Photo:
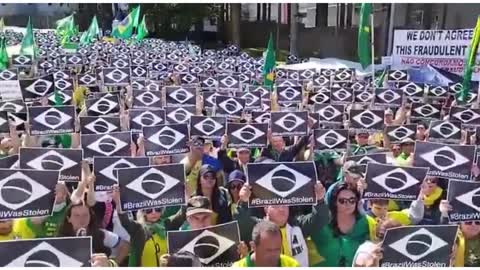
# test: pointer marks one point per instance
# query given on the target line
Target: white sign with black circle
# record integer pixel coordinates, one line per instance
(138, 84)
(289, 94)
(15, 106)
(253, 100)
(166, 139)
(34, 89)
(321, 80)
(99, 124)
(329, 113)
(393, 182)
(181, 96)
(344, 75)
(412, 90)
(106, 169)
(320, 97)
(464, 196)
(341, 95)
(64, 84)
(363, 96)
(27, 193)
(398, 133)
(103, 106)
(9, 162)
(247, 135)
(437, 92)
(207, 127)
(111, 144)
(446, 161)
(425, 110)
(4, 123)
(152, 186)
(445, 131)
(147, 99)
(65, 97)
(179, 115)
(388, 97)
(215, 246)
(51, 120)
(396, 75)
(67, 161)
(328, 139)
(289, 123)
(145, 118)
(188, 79)
(209, 98)
(9, 74)
(208, 82)
(116, 76)
(283, 183)
(419, 246)
(367, 119)
(231, 107)
(47, 252)
(364, 159)
(228, 81)
(22, 60)
(261, 117)
(139, 72)
(469, 117)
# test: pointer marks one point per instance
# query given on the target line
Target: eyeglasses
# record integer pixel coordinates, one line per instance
(238, 186)
(350, 201)
(158, 210)
(472, 223)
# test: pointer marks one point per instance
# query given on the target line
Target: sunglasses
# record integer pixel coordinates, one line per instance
(472, 223)
(158, 210)
(350, 201)
(209, 176)
(238, 186)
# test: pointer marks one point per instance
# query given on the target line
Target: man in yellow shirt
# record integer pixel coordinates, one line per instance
(267, 246)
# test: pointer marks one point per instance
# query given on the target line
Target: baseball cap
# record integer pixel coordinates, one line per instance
(236, 175)
(353, 168)
(407, 141)
(207, 168)
(242, 149)
(198, 204)
(362, 131)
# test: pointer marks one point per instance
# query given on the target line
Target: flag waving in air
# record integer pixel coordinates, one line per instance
(28, 41)
(3, 53)
(364, 28)
(124, 29)
(142, 30)
(92, 33)
(470, 63)
(269, 63)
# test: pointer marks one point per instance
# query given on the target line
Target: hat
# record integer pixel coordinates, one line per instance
(389, 111)
(240, 149)
(207, 168)
(197, 141)
(407, 141)
(198, 204)
(236, 175)
(361, 131)
(353, 168)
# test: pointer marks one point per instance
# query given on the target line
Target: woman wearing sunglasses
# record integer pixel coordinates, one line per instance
(338, 240)
(468, 241)
(236, 179)
(148, 234)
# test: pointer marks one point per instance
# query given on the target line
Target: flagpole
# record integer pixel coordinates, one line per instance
(372, 47)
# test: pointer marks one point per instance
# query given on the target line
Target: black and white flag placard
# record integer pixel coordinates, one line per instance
(231, 107)
(34, 89)
(166, 139)
(112, 144)
(103, 106)
(179, 115)
(365, 159)
(147, 99)
(328, 139)
(367, 119)
(105, 169)
(99, 124)
(47, 252)
(419, 246)
(393, 182)
(207, 127)
(116, 76)
(215, 246)
(261, 117)
(151, 187)
(9, 162)
(467, 116)
(284, 183)
(464, 196)
(27, 193)
(445, 131)
(247, 135)
(51, 120)
(145, 118)
(329, 113)
(4, 124)
(181, 96)
(289, 94)
(341, 95)
(446, 161)
(67, 161)
(425, 111)
(398, 133)
(388, 97)
(289, 123)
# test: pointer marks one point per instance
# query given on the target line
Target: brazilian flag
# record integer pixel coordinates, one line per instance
(124, 29)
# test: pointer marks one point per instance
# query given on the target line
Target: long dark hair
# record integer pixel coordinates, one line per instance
(332, 205)
(215, 194)
(98, 236)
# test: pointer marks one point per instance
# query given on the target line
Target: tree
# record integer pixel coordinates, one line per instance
(321, 15)
(236, 20)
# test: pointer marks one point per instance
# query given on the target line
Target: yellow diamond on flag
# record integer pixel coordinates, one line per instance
(270, 76)
(366, 29)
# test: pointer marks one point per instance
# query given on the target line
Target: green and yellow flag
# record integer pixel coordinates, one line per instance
(65, 26)
(142, 30)
(470, 63)
(2, 25)
(92, 33)
(3, 53)
(364, 28)
(269, 64)
(124, 29)
(28, 46)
